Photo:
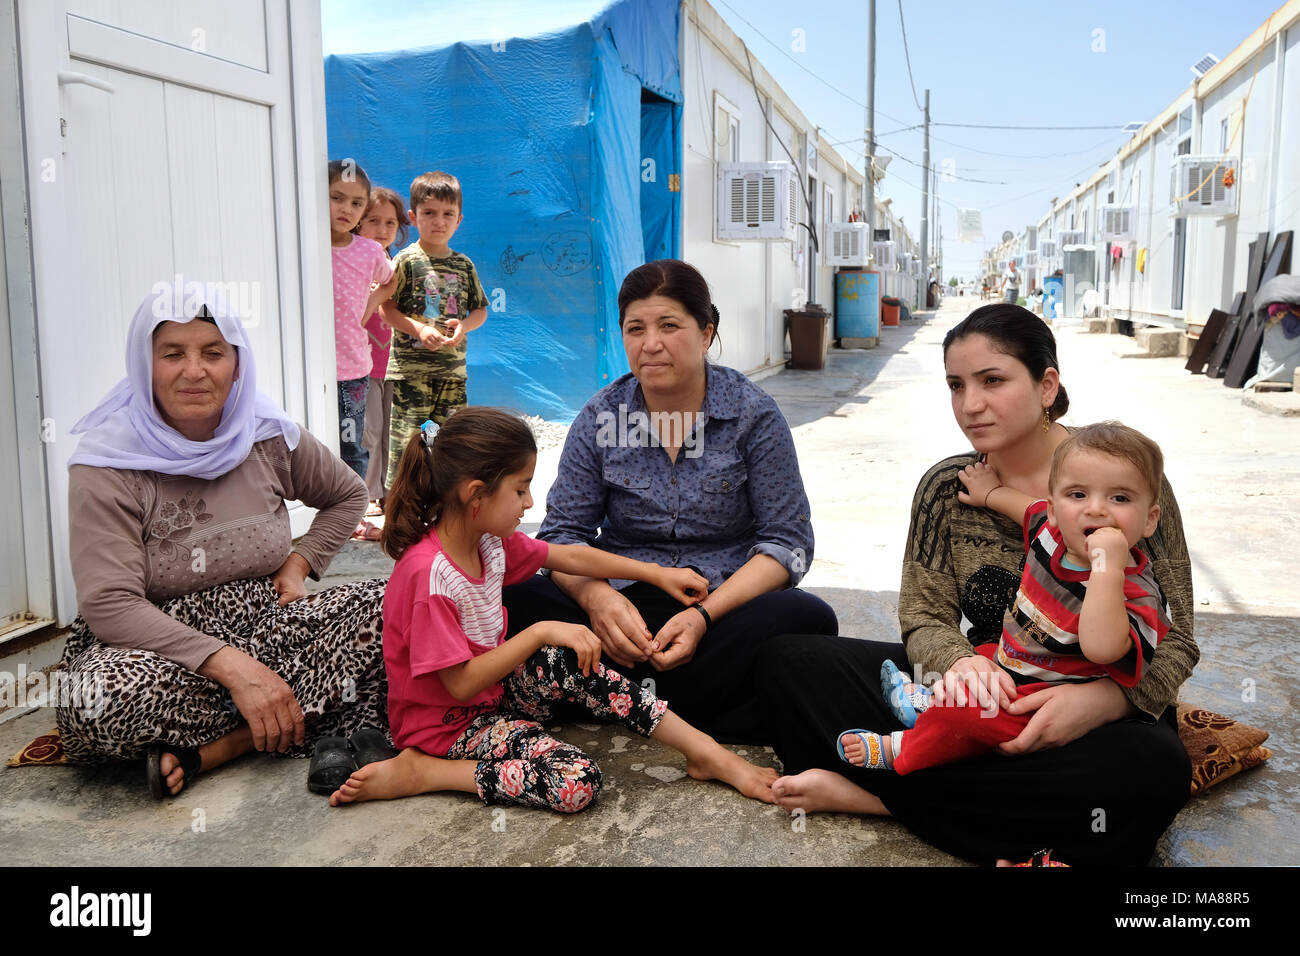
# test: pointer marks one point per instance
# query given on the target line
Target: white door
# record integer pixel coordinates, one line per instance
(177, 156)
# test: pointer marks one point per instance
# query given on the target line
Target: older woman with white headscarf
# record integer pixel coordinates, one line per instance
(195, 631)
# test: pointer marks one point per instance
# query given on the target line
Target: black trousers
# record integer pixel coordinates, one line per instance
(715, 689)
(1102, 799)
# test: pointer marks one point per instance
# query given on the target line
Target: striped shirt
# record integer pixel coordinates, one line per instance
(437, 615)
(1040, 632)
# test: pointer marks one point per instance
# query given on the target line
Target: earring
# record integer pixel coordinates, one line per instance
(1047, 421)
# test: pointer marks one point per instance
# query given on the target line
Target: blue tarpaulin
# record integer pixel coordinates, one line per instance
(549, 137)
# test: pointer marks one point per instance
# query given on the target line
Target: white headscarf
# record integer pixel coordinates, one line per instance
(126, 431)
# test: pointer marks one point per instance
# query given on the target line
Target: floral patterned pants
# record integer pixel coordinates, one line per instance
(518, 762)
(327, 647)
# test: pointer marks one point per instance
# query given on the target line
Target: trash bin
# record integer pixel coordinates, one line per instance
(809, 336)
(889, 310)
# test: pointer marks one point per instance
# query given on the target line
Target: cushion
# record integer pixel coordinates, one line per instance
(1219, 746)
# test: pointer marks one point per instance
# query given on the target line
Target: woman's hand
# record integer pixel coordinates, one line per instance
(262, 697)
(580, 639)
(991, 686)
(685, 584)
(618, 624)
(1065, 713)
(980, 480)
(288, 580)
(678, 640)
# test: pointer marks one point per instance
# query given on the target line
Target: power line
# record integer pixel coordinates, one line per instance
(907, 55)
(1035, 128)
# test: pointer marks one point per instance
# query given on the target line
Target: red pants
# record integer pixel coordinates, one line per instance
(947, 733)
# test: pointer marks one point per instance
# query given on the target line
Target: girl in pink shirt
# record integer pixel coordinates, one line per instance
(456, 689)
(384, 221)
(363, 277)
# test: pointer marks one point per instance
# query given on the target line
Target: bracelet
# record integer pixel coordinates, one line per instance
(708, 621)
(991, 490)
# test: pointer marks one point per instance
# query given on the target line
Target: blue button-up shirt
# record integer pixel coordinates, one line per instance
(733, 492)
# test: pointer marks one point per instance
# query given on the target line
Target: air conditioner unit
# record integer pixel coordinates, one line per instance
(846, 245)
(1002, 265)
(1047, 248)
(1031, 258)
(757, 201)
(886, 259)
(1072, 237)
(1117, 223)
(1204, 185)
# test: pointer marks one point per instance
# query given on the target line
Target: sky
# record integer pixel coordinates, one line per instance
(1041, 64)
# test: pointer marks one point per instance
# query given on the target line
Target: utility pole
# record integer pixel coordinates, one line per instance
(925, 204)
(870, 185)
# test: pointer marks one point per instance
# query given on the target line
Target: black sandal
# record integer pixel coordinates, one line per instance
(189, 760)
(331, 765)
(369, 745)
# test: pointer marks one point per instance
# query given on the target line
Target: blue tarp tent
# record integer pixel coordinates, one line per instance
(564, 145)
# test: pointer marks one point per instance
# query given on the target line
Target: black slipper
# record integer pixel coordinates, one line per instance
(331, 765)
(369, 745)
(189, 760)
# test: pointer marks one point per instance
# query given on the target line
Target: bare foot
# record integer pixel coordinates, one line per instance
(750, 779)
(820, 790)
(412, 771)
(854, 751)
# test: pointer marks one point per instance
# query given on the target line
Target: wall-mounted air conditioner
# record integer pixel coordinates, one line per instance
(1204, 185)
(1071, 237)
(1117, 223)
(1031, 258)
(846, 245)
(757, 201)
(1047, 248)
(1002, 265)
(886, 258)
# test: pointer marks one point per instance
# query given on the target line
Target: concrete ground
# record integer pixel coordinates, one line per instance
(866, 428)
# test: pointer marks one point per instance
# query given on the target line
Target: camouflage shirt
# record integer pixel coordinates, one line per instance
(432, 289)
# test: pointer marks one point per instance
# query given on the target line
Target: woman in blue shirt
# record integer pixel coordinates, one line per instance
(686, 464)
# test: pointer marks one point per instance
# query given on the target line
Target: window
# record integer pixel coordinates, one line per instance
(1185, 121)
(828, 217)
(726, 130)
(1223, 135)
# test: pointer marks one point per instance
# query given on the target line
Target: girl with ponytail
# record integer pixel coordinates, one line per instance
(456, 688)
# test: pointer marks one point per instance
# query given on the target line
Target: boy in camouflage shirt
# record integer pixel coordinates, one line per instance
(438, 301)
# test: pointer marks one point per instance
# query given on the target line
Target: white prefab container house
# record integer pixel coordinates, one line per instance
(148, 143)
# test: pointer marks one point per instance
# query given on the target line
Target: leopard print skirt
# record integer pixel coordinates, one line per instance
(327, 647)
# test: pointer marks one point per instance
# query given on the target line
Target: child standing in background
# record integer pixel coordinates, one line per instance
(438, 300)
(359, 264)
(384, 221)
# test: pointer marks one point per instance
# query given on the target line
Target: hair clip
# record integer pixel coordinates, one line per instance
(427, 432)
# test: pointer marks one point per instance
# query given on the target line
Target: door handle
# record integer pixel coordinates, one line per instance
(72, 79)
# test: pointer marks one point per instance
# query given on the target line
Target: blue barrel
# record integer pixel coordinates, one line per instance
(1053, 297)
(857, 304)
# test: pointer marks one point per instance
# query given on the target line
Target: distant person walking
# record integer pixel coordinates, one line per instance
(1011, 283)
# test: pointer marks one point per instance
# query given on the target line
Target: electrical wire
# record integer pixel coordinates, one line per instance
(908, 57)
(1034, 128)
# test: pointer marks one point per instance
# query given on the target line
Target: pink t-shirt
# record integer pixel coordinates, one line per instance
(381, 339)
(436, 616)
(356, 265)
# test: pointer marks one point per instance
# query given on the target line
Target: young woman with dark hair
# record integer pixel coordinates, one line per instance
(1099, 772)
